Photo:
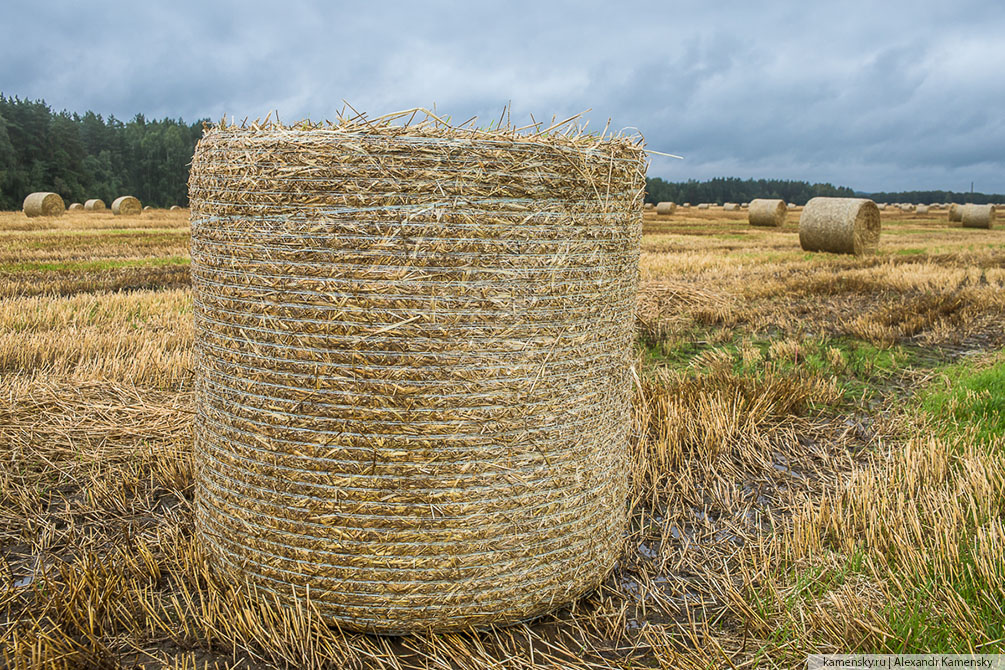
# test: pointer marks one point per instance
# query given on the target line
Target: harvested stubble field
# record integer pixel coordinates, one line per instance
(818, 460)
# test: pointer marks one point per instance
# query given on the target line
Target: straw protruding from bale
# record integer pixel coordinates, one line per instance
(414, 394)
(977, 216)
(94, 205)
(75, 207)
(126, 205)
(767, 212)
(43, 203)
(840, 225)
(955, 213)
(666, 208)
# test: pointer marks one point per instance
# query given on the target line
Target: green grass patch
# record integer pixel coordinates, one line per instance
(92, 266)
(965, 397)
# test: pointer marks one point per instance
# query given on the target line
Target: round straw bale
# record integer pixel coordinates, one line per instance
(649, 205)
(414, 395)
(921, 209)
(766, 212)
(175, 208)
(75, 207)
(955, 213)
(43, 203)
(686, 205)
(840, 225)
(791, 205)
(730, 207)
(666, 208)
(703, 205)
(126, 205)
(881, 206)
(978, 216)
(94, 205)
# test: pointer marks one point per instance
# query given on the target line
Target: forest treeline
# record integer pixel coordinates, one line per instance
(88, 156)
(733, 189)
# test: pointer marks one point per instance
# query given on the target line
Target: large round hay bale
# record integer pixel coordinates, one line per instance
(921, 209)
(126, 205)
(94, 205)
(766, 212)
(75, 207)
(703, 205)
(414, 395)
(666, 208)
(840, 226)
(955, 212)
(44, 203)
(978, 216)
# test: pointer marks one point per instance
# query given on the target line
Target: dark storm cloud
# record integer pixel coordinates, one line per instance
(873, 95)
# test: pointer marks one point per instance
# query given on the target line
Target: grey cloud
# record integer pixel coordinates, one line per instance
(873, 95)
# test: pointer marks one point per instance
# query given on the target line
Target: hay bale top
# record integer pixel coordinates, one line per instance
(978, 216)
(75, 207)
(44, 203)
(126, 205)
(94, 205)
(767, 212)
(175, 208)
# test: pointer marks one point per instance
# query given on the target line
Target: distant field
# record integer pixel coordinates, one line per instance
(818, 461)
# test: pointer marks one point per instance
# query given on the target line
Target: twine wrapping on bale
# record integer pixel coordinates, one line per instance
(75, 207)
(840, 226)
(126, 205)
(955, 213)
(977, 216)
(766, 212)
(666, 208)
(94, 205)
(43, 203)
(414, 378)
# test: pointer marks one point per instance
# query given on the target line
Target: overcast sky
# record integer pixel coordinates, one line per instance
(879, 95)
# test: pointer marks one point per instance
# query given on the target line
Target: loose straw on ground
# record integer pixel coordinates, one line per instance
(414, 378)
(840, 226)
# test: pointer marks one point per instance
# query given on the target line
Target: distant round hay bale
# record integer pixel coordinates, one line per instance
(94, 205)
(730, 207)
(43, 203)
(703, 205)
(881, 206)
(907, 208)
(75, 207)
(175, 208)
(744, 205)
(666, 208)
(126, 205)
(147, 208)
(955, 213)
(767, 212)
(791, 205)
(921, 209)
(444, 444)
(686, 205)
(978, 216)
(840, 226)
